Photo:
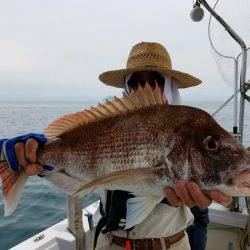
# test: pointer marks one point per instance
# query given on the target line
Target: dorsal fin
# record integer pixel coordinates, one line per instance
(143, 97)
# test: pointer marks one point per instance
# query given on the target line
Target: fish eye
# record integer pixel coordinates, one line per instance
(211, 144)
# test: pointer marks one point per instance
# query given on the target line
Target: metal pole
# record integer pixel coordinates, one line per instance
(236, 97)
(243, 91)
(75, 224)
(235, 130)
(225, 103)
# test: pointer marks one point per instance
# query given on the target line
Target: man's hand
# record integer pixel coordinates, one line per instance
(189, 194)
(26, 156)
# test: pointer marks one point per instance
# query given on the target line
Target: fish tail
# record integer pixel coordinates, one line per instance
(12, 186)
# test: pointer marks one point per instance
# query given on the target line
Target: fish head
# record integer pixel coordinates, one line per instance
(204, 152)
(220, 159)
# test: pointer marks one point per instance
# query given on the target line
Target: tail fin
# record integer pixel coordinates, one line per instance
(12, 185)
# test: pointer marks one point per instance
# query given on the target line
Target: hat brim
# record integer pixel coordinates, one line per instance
(116, 77)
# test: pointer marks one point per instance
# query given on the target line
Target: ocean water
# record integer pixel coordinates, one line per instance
(42, 204)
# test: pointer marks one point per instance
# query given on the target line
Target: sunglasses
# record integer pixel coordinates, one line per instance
(151, 79)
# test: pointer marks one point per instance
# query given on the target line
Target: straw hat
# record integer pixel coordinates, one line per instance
(152, 57)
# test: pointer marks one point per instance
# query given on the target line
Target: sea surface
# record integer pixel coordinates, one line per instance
(42, 204)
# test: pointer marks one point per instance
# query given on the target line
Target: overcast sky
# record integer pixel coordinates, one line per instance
(55, 50)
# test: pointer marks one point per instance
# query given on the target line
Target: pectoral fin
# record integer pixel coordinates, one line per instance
(121, 178)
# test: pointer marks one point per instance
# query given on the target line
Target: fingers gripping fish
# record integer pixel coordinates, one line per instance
(138, 143)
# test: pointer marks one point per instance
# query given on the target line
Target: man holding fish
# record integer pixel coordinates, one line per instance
(124, 145)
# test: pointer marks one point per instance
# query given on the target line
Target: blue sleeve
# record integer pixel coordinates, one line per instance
(7, 150)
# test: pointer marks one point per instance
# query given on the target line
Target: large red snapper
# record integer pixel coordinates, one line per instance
(137, 143)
